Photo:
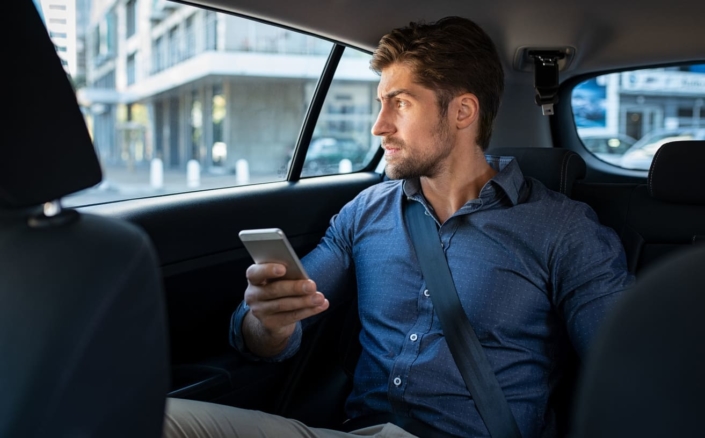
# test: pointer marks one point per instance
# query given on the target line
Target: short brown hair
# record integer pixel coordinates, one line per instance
(451, 56)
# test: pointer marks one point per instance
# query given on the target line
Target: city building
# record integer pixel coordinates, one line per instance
(169, 81)
(635, 103)
(60, 19)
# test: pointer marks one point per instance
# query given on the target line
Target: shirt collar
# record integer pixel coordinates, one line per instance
(508, 178)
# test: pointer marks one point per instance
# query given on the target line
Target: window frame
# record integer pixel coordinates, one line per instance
(163, 52)
(319, 96)
(316, 105)
(565, 133)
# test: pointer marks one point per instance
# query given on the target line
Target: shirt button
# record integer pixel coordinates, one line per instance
(397, 381)
(426, 293)
(414, 337)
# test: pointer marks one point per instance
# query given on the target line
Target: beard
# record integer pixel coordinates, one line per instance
(429, 163)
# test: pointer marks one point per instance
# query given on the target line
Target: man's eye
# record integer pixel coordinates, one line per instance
(401, 104)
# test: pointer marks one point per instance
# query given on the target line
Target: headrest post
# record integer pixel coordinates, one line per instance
(52, 208)
(53, 215)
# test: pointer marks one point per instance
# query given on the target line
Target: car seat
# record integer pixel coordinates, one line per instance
(644, 376)
(83, 336)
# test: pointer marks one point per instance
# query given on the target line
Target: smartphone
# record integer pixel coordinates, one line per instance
(270, 245)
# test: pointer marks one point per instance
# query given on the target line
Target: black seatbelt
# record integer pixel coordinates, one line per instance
(459, 334)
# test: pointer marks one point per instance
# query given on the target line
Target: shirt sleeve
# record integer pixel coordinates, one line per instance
(238, 341)
(329, 265)
(590, 273)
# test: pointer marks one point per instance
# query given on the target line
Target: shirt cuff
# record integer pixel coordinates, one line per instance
(238, 341)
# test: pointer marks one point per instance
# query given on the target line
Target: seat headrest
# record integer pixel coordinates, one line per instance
(556, 168)
(47, 152)
(643, 376)
(677, 173)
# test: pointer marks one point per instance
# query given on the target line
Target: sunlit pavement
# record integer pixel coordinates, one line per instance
(120, 182)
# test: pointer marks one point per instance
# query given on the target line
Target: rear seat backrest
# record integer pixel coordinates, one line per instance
(669, 213)
(556, 168)
(652, 219)
(662, 216)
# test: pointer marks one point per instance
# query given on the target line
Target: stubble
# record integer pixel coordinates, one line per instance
(428, 164)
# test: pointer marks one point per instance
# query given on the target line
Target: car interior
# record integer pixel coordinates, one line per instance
(171, 269)
(83, 330)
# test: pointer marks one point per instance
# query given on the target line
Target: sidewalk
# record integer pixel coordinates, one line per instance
(120, 182)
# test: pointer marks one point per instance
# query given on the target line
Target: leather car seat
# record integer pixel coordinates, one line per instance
(83, 336)
(667, 214)
(644, 377)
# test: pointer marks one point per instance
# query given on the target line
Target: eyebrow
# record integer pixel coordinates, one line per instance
(395, 93)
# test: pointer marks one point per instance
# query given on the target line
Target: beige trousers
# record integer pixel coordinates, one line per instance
(194, 419)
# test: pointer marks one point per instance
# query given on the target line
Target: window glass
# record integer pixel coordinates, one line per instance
(624, 118)
(131, 17)
(342, 141)
(131, 69)
(192, 100)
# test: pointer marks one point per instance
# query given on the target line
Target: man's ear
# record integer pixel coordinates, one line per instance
(467, 110)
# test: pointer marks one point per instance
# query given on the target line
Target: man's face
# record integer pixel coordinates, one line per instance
(416, 139)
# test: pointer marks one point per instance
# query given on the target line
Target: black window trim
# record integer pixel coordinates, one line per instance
(565, 133)
(314, 111)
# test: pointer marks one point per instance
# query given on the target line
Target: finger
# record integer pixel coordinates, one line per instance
(260, 273)
(281, 289)
(288, 304)
(277, 320)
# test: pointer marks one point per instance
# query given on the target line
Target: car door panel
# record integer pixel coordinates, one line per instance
(203, 264)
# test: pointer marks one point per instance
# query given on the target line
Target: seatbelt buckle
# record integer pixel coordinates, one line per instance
(546, 64)
(547, 109)
(546, 78)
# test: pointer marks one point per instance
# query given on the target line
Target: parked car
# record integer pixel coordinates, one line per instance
(325, 155)
(641, 154)
(609, 148)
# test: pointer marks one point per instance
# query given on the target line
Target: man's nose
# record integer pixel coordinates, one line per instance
(382, 126)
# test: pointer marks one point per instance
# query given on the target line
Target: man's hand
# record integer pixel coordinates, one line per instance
(276, 306)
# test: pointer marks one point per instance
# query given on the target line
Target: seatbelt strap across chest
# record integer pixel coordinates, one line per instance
(462, 341)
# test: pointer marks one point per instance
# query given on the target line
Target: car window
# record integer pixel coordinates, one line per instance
(178, 98)
(623, 118)
(342, 141)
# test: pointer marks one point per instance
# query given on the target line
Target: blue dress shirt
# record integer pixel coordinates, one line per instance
(534, 270)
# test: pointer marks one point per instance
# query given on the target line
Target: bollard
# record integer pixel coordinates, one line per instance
(193, 174)
(345, 166)
(156, 173)
(242, 171)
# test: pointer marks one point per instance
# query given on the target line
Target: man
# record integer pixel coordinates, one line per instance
(531, 267)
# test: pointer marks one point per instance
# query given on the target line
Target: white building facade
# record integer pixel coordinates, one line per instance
(60, 19)
(178, 83)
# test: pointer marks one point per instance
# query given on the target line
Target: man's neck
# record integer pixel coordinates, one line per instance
(459, 183)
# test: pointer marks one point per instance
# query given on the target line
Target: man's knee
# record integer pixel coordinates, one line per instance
(195, 419)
